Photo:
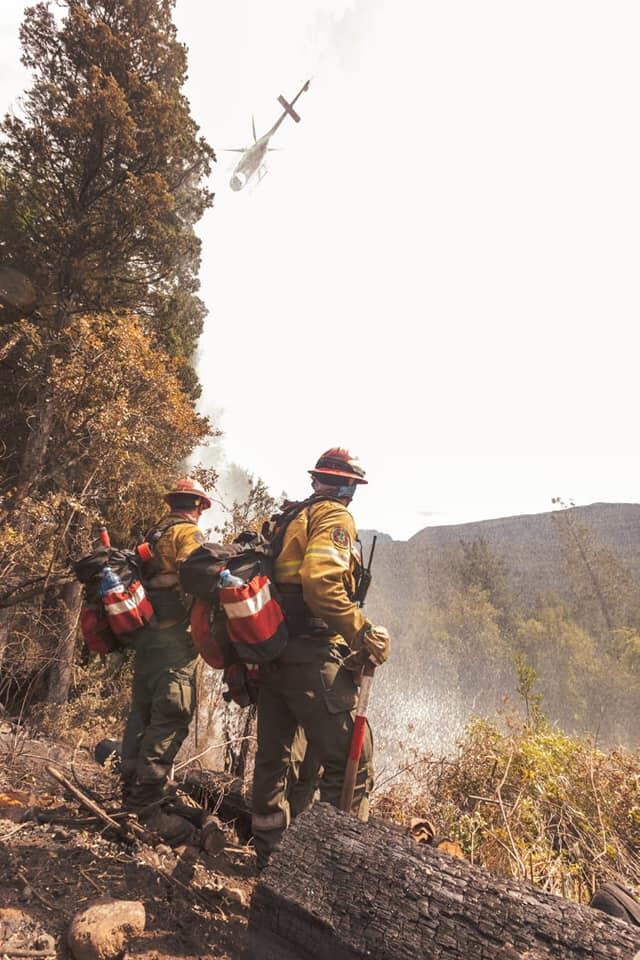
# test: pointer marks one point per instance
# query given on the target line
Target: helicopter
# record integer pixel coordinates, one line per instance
(252, 159)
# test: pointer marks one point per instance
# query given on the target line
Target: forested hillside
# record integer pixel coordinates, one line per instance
(476, 609)
(531, 545)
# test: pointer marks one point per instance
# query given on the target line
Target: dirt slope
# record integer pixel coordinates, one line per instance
(196, 904)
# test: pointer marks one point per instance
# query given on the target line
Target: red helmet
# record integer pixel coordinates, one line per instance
(187, 485)
(338, 462)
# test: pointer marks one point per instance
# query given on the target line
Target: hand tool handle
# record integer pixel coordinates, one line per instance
(357, 739)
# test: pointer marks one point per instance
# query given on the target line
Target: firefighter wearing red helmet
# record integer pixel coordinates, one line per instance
(163, 696)
(312, 685)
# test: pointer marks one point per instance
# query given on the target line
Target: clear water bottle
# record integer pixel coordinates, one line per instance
(227, 579)
(109, 581)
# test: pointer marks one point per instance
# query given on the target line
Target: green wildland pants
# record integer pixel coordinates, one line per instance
(303, 778)
(319, 696)
(162, 705)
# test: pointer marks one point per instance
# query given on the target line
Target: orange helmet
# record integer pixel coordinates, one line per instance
(338, 462)
(189, 486)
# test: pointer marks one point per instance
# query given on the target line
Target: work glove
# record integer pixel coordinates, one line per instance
(377, 643)
(371, 643)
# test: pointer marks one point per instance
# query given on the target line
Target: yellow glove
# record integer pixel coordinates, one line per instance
(371, 643)
(377, 643)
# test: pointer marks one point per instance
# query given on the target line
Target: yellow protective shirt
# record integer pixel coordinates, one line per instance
(172, 548)
(320, 553)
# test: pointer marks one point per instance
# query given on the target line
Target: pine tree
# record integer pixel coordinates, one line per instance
(102, 170)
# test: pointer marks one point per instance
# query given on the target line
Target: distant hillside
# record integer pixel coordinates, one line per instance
(447, 660)
(529, 545)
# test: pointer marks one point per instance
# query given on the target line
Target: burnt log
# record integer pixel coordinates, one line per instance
(222, 794)
(339, 889)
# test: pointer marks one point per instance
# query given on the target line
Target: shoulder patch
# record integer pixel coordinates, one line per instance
(340, 537)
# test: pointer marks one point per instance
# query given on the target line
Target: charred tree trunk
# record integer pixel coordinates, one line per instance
(61, 672)
(342, 890)
(74, 539)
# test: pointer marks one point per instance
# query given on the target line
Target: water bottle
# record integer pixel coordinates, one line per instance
(109, 581)
(227, 579)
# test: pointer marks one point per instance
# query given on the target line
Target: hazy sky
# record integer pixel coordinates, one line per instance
(441, 269)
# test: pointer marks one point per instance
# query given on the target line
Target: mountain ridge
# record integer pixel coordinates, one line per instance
(528, 543)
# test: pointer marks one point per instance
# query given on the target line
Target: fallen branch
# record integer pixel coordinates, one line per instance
(6, 836)
(51, 816)
(47, 903)
(10, 952)
(128, 833)
(81, 786)
(92, 882)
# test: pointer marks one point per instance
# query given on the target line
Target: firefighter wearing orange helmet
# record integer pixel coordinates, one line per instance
(312, 685)
(163, 696)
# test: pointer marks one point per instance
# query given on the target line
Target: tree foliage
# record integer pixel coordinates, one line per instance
(120, 425)
(605, 597)
(102, 168)
(249, 513)
(102, 180)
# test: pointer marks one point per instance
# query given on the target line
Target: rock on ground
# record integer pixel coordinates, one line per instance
(21, 932)
(103, 929)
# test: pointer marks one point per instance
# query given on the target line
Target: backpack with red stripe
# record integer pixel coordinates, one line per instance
(254, 628)
(241, 623)
(116, 606)
(125, 601)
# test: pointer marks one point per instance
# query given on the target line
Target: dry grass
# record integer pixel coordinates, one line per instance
(527, 800)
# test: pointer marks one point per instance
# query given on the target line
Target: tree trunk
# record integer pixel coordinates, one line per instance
(35, 450)
(236, 760)
(4, 636)
(339, 889)
(61, 672)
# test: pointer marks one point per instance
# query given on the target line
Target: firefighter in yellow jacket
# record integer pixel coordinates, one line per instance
(163, 696)
(313, 684)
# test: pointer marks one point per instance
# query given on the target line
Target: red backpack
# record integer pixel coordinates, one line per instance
(116, 606)
(253, 628)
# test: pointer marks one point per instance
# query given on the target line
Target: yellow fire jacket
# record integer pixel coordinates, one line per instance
(172, 548)
(320, 553)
